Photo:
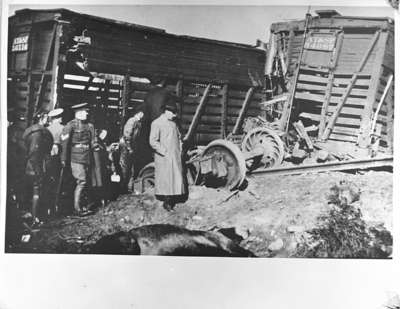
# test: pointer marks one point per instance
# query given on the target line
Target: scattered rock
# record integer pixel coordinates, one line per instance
(299, 155)
(276, 245)
(295, 228)
(322, 156)
(197, 218)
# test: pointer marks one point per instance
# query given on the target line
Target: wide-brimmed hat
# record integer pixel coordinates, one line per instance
(80, 106)
(170, 104)
(55, 113)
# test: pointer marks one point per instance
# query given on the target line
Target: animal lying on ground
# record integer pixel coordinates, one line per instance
(165, 239)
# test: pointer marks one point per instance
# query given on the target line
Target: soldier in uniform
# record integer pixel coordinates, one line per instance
(77, 142)
(38, 142)
(54, 166)
(128, 145)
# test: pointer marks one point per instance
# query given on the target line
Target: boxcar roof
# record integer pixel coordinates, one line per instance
(30, 16)
(335, 21)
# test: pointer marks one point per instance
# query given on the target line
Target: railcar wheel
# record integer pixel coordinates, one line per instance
(231, 157)
(269, 142)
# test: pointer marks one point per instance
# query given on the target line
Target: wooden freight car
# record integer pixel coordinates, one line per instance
(58, 58)
(336, 73)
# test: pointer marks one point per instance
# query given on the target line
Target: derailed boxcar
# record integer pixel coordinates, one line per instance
(58, 58)
(335, 73)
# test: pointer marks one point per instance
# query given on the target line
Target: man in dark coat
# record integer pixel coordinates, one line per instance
(77, 143)
(130, 151)
(38, 142)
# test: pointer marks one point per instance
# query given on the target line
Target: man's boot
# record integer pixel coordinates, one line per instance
(35, 207)
(77, 198)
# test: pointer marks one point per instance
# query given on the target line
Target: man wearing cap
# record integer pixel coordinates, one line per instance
(56, 129)
(77, 142)
(54, 165)
(38, 142)
(129, 146)
(165, 139)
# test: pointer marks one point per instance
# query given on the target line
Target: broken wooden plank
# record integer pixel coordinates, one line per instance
(341, 120)
(303, 134)
(345, 81)
(319, 98)
(313, 78)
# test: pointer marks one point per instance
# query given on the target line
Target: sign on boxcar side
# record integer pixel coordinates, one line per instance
(317, 42)
(20, 43)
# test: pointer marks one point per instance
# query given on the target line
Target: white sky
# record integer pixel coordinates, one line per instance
(241, 24)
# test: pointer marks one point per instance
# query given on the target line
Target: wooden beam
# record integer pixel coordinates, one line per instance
(345, 95)
(243, 110)
(29, 82)
(54, 67)
(366, 117)
(198, 114)
(179, 94)
(224, 109)
(389, 121)
(382, 99)
(46, 64)
(125, 100)
(329, 85)
(287, 108)
(289, 48)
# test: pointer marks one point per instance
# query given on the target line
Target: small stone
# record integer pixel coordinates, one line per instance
(322, 156)
(295, 228)
(197, 218)
(299, 154)
(276, 245)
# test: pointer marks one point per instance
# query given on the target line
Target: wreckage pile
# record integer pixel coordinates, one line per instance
(273, 217)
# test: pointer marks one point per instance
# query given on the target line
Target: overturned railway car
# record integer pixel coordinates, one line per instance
(334, 73)
(58, 58)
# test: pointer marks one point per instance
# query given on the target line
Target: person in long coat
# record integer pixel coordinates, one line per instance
(165, 139)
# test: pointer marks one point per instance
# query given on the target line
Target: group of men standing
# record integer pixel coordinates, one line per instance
(51, 148)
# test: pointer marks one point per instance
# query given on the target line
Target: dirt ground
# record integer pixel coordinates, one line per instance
(270, 215)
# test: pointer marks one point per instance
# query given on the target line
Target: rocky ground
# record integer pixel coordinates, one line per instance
(272, 215)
